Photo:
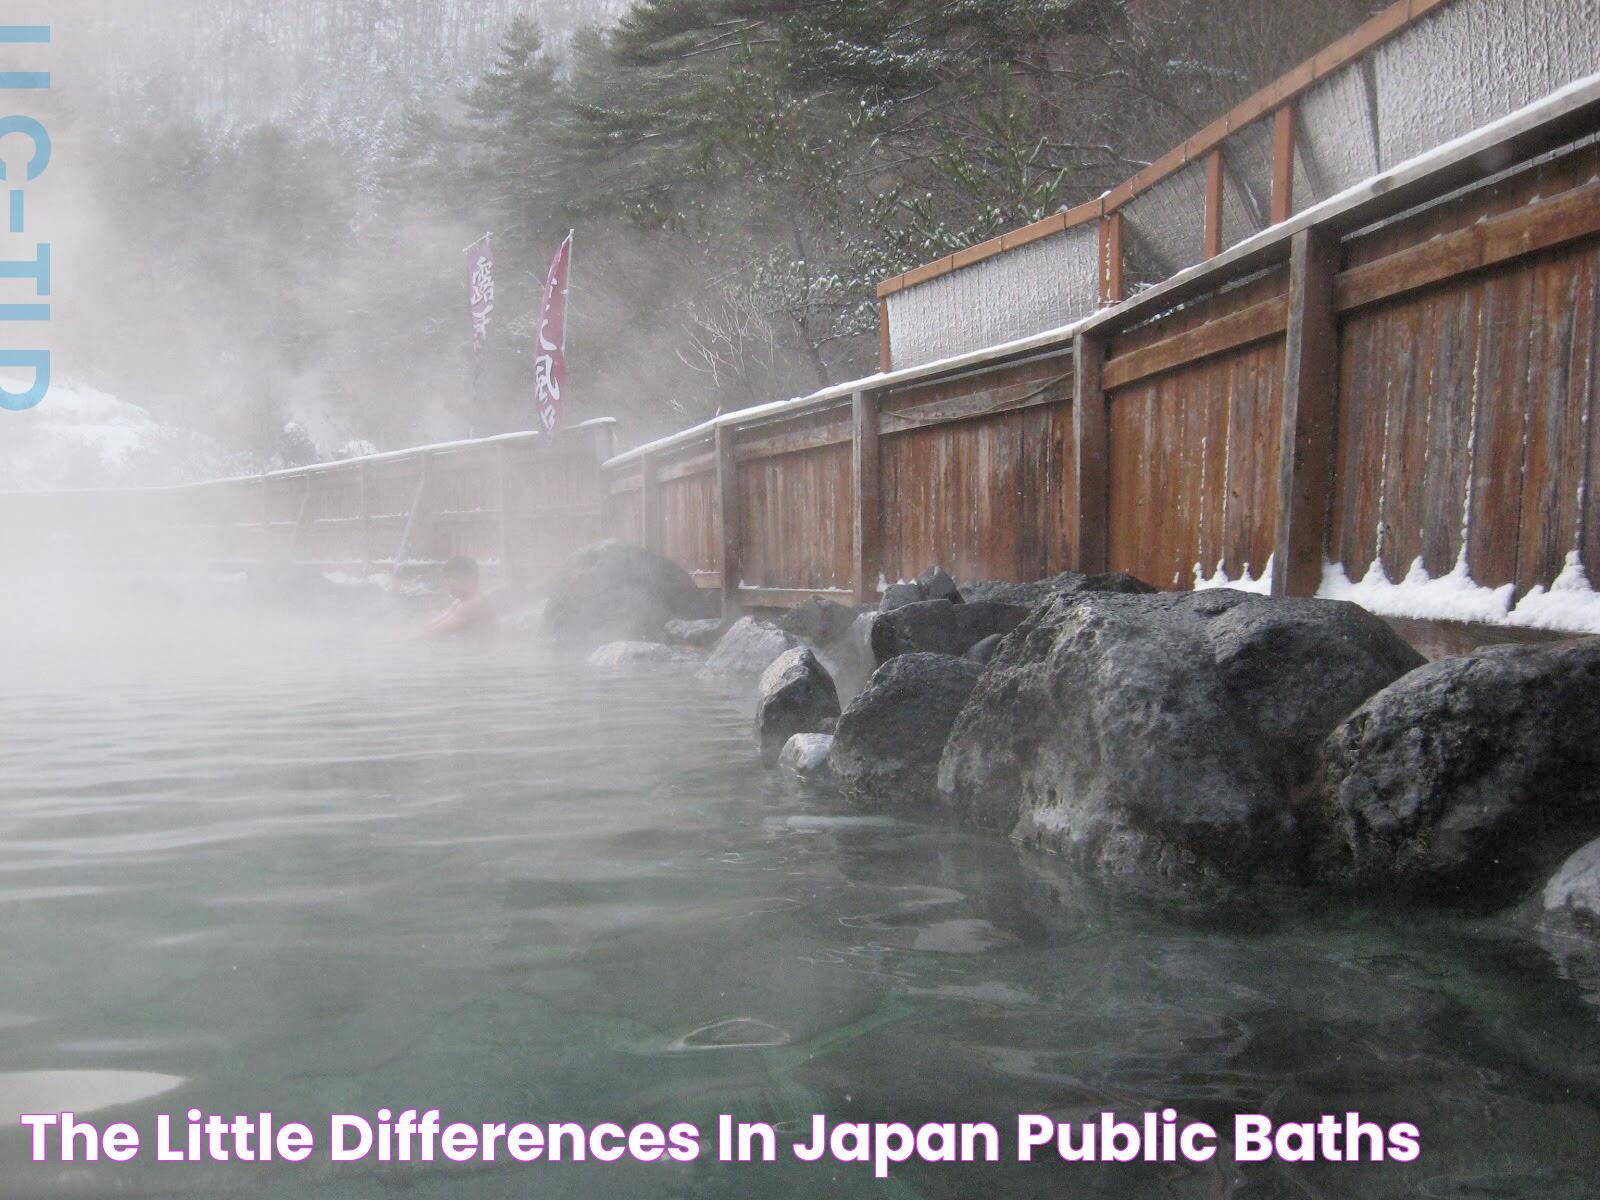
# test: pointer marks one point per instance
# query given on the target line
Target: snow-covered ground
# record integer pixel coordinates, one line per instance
(1570, 604)
(80, 437)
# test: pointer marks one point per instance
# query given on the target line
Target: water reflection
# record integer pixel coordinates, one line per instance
(333, 871)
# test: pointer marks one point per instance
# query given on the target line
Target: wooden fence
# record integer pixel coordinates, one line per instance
(1408, 376)
(520, 504)
(1406, 372)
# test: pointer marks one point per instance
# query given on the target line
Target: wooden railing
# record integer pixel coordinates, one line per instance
(520, 504)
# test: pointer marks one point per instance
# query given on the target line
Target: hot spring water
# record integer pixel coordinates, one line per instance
(307, 869)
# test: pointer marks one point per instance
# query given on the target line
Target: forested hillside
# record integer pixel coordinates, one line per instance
(275, 194)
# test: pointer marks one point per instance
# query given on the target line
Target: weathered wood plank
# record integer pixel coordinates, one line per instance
(866, 475)
(727, 477)
(1310, 374)
(1253, 324)
(1283, 128)
(1540, 226)
(1211, 244)
(1089, 447)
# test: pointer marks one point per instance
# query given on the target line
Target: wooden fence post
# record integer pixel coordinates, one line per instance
(1283, 163)
(864, 467)
(605, 445)
(885, 348)
(366, 520)
(302, 521)
(1111, 277)
(1089, 449)
(1310, 374)
(728, 507)
(503, 500)
(1214, 198)
(649, 502)
(418, 499)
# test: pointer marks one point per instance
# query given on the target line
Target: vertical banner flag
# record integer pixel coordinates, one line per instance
(550, 358)
(480, 289)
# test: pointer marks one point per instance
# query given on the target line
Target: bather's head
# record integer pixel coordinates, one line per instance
(460, 577)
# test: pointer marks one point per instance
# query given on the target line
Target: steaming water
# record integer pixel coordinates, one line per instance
(314, 870)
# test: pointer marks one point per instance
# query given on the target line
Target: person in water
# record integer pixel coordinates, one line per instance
(470, 610)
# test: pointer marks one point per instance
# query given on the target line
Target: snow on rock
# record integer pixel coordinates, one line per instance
(1245, 583)
(1452, 597)
(1569, 603)
(81, 437)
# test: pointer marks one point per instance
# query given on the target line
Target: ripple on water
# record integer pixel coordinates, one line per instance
(77, 1092)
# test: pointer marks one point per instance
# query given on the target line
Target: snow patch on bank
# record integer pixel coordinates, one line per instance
(1245, 583)
(1569, 603)
(1452, 597)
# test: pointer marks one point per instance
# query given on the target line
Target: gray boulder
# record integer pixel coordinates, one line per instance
(622, 657)
(818, 622)
(935, 584)
(794, 696)
(984, 650)
(897, 594)
(1164, 733)
(1065, 584)
(887, 745)
(940, 627)
(700, 634)
(1570, 902)
(1469, 780)
(745, 651)
(613, 591)
(806, 756)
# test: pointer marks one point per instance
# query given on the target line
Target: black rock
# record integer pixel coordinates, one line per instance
(935, 584)
(807, 756)
(1570, 902)
(699, 634)
(745, 651)
(1469, 780)
(898, 594)
(1065, 584)
(1162, 733)
(984, 650)
(887, 744)
(940, 627)
(818, 622)
(627, 657)
(794, 696)
(612, 591)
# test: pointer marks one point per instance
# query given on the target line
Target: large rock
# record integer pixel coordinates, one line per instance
(1162, 732)
(887, 746)
(1029, 595)
(625, 657)
(700, 634)
(1570, 901)
(794, 696)
(613, 591)
(818, 622)
(806, 755)
(935, 584)
(745, 651)
(941, 627)
(1469, 780)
